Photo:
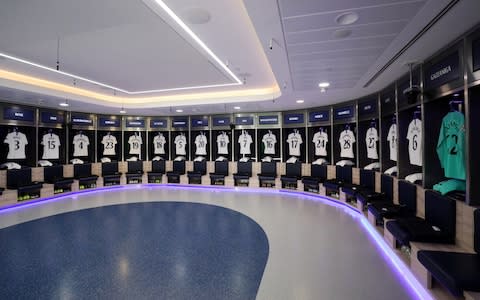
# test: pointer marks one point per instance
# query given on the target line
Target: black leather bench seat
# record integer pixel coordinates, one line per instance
(407, 194)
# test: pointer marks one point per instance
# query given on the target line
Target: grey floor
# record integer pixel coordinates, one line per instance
(317, 250)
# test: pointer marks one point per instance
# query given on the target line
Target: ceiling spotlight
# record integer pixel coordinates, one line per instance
(179, 110)
(300, 101)
(347, 18)
(236, 107)
(123, 111)
(64, 104)
(324, 84)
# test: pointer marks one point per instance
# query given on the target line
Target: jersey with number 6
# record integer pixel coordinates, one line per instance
(320, 140)
(371, 139)
(451, 145)
(51, 146)
(415, 146)
(80, 145)
(16, 145)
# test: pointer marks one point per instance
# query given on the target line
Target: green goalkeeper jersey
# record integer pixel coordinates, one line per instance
(451, 145)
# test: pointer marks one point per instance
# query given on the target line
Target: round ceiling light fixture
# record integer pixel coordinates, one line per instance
(197, 15)
(123, 111)
(324, 84)
(236, 107)
(64, 104)
(342, 33)
(300, 101)
(179, 110)
(347, 18)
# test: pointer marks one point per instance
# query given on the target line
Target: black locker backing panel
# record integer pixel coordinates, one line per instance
(473, 144)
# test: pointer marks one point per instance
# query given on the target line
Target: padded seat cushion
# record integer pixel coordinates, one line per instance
(288, 179)
(62, 181)
(350, 188)
(217, 176)
(456, 271)
(30, 187)
(332, 184)
(112, 176)
(389, 210)
(312, 180)
(366, 196)
(241, 176)
(416, 229)
(88, 178)
(265, 177)
(155, 174)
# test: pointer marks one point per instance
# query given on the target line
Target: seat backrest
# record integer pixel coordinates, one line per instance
(346, 174)
(319, 171)
(179, 167)
(200, 167)
(109, 168)
(82, 170)
(135, 166)
(441, 211)
(221, 167)
(294, 170)
(52, 173)
(386, 186)
(476, 230)
(269, 168)
(158, 166)
(407, 195)
(244, 168)
(19, 177)
(367, 179)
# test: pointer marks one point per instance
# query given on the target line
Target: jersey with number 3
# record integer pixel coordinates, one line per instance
(415, 146)
(16, 145)
(51, 146)
(451, 145)
(371, 139)
(109, 141)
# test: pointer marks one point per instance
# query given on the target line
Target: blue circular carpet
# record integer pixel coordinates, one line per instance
(154, 250)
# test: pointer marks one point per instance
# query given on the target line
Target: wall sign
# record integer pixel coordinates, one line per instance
(343, 112)
(319, 116)
(444, 71)
(51, 117)
(221, 121)
(244, 120)
(158, 123)
(476, 55)
(367, 108)
(108, 122)
(180, 122)
(136, 123)
(82, 119)
(199, 122)
(18, 113)
(268, 120)
(293, 118)
(388, 102)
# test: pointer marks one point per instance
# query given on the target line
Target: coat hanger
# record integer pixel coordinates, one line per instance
(347, 126)
(320, 129)
(373, 123)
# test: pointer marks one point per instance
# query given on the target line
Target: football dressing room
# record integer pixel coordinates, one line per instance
(240, 149)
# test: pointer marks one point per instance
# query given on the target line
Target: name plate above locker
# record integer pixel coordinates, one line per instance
(367, 108)
(52, 117)
(293, 118)
(108, 122)
(343, 112)
(268, 120)
(199, 122)
(18, 114)
(319, 116)
(82, 119)
(221, 121)
(476, 55)
(244, 120)
(180, 122)
(136, 123)
(158, 123)
(442, 72)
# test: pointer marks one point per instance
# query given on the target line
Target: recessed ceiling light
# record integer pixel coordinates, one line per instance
(123, 111)
(179, 110)
(64, 104)
(324, 84)
(300, 101)
(347, 18)
(236, 107)
(456, 95)
(342, 33)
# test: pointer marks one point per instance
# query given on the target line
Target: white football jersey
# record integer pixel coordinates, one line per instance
(201, 145)
(320, 140)
(414, 137)
(180, 144)
(371, 139)
(245, 140)
(294, 141)
(80, 145)
(222, 143)
(51, 146)
(159, 144)
(135, 142)
(16, 145)
(109, 141)
(392, 140)
(346, 140)
(269, 140)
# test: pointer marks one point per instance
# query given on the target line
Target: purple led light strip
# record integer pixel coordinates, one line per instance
(402, 271)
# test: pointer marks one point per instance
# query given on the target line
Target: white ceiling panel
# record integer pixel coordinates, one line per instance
(306, 7)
